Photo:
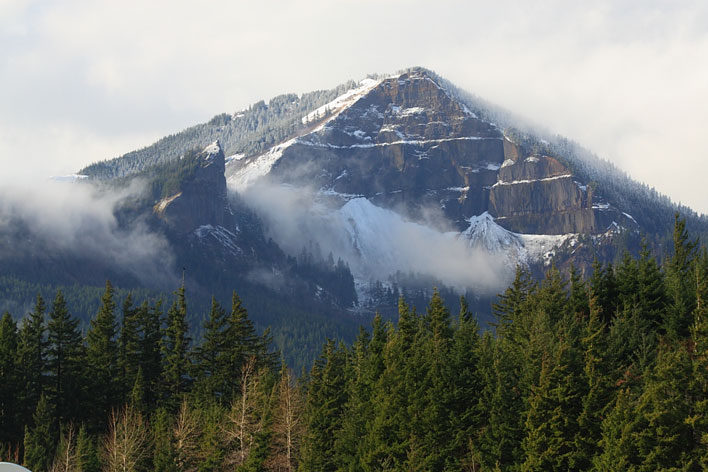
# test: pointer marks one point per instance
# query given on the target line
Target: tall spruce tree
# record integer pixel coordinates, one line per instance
(65, 362)
(31, 356)
(10, 420)
(175, 349)
(102, 360)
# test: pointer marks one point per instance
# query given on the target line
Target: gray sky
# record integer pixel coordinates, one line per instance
(86, 80)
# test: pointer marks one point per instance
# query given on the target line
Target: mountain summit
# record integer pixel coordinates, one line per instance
(340, 201)
(405, 142)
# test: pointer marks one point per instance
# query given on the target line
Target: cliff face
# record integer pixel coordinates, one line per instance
(202, 197)
(406, 144)
(538, 194)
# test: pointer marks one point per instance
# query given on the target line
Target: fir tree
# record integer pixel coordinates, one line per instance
(102, 359)
(31, 357)
(65, 363)
(10, 427)
(175, 350)
(39, 442)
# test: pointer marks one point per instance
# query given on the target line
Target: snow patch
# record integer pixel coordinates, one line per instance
(531, 159)
(221, 235)
(512, 248)
(258, 166)
(545, 179)
(69, 178)
(343, 101)
(508, 162)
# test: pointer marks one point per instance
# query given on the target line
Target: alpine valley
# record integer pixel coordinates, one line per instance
(323, 208)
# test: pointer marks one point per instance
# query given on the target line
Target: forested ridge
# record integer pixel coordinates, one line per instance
(609, 373)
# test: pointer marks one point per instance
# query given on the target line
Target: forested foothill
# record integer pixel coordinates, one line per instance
(606, 374)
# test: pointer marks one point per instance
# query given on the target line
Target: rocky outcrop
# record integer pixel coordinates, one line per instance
(406, 144)
(202, 198)
(538, 194)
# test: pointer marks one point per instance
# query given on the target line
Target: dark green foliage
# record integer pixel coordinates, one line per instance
(39, 438)
(65, 363)
(610, 376)
(175, 349)
(102, 359)
(10, 426)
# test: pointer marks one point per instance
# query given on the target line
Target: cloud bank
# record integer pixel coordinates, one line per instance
(375, 242)
(75, 218)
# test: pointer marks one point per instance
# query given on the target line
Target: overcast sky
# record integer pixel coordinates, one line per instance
(86, 80)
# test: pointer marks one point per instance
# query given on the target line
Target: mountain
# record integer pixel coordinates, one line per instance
(320, 209)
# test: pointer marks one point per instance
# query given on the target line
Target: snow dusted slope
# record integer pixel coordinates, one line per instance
(513, 248)
(246, 171)
(378, 242)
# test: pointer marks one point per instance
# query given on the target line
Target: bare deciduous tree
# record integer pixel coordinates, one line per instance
(287, 425)
(66, 459)
(125, 445)
(245, 419)
(186, 437)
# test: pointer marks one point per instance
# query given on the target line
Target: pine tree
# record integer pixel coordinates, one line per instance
(102, 360)
(149, 347)
(678, 280)
(129, 346)
(163, 453)
(10, 426)
(65, 363)
(39, 438)
(387, 440)
(603, 287)
(551, 423)
(175, 350)
(31, 357)
(665, 440)
(618, 448)
(327, 397)
(87, 452)
(211, 376)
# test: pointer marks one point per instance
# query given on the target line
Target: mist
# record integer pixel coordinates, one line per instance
(375, 242)
(77, 219)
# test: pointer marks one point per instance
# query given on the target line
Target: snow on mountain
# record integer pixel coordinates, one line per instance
(348, 98)
(514, 248)
(257, 166)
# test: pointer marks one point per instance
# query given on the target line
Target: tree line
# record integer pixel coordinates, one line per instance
(604, 374)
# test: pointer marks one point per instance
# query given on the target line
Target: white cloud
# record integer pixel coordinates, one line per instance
(625, 78)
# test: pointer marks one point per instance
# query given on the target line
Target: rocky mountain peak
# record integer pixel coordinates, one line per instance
(202, 196)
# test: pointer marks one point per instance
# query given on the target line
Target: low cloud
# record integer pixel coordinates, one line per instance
(76, 218)
(374, 241)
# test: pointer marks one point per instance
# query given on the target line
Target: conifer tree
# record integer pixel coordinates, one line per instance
(39, 438)
(679, 282)
(129, 346)
(211, 374)
(149, 347)
(65, 363)
(87, 452)
(603, 287)
(618, 451)
(102, 360)
(31, 357)
(551, 423)
(10, 428)
(175, 350)
(327, 397)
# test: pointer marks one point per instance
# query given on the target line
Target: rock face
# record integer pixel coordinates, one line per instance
(539, 194)
(202, 198)
(406, 144)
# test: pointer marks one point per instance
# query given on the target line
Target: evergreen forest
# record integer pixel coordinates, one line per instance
(608, 373)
